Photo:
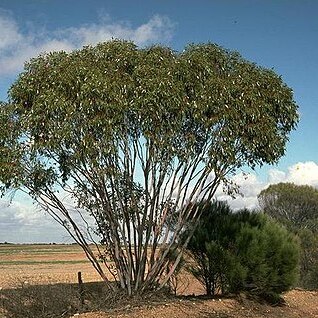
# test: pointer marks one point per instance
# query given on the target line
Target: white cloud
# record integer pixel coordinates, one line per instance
(276, 176)
(158, 28)
(17, 46)
(302, 173)
(22, 222)
(9, 35)
(249, 186)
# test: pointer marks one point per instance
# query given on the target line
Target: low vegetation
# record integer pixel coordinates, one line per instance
(242, 251)
(296, 207)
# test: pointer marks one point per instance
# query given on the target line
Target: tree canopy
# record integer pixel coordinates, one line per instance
(294, 205)
(135, 135)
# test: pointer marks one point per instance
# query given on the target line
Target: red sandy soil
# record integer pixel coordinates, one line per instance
(298, 304)
(41, 269)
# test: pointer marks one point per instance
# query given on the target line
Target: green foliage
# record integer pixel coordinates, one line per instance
(308, 258)
(132, 135)
(241, 251)
(270, 254)
(296, 206)
(83, 104)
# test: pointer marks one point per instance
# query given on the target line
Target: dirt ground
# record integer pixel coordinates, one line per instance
(43, 264)
(50, 264)
(298, 304)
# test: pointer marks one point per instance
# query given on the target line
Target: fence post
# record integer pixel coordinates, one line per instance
(80, 291)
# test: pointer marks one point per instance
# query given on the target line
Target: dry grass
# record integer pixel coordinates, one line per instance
(63, 300)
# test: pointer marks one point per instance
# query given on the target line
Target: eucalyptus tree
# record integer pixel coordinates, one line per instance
(296, 206)
(136, 136)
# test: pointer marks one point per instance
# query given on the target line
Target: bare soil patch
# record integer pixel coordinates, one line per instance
(47, 270)
(43, 264)
(298, 304)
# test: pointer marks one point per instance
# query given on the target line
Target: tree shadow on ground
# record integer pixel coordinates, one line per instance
(64, 300)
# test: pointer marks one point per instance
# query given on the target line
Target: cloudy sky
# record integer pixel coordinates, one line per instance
(277, 34)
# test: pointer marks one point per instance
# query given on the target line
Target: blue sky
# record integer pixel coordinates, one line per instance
(278, 34)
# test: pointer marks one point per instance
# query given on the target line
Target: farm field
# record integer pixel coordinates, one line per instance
(43, 264)
(44, 267)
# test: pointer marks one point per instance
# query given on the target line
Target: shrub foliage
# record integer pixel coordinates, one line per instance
(243, 251)
(296, 206)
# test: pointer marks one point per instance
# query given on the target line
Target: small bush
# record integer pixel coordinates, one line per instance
(243, 251)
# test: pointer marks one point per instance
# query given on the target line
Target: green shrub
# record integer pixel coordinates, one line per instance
(308, 258)
(296, 207)
(243, 251)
